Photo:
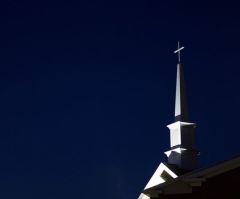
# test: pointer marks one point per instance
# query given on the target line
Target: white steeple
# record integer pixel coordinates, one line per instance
(182, 152)
(182, 156)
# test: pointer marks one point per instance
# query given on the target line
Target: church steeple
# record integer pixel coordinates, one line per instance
(182, 152)
(182, 155)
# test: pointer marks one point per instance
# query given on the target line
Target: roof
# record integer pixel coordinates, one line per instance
(194, 178)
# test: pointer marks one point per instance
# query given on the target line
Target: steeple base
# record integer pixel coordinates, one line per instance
(186, 159)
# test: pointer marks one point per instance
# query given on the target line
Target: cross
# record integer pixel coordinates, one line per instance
(179, 52)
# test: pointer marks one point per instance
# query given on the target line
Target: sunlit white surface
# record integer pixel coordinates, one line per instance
(176, 132)
(156, 179)
(178, 150)
(143, 196)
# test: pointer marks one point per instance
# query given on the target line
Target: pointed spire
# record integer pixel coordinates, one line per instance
(181, 113)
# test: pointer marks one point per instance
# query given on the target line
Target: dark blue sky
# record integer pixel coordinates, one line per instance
(87, 89)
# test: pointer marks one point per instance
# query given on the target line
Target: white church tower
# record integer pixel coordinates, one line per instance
(182, 155)
(182, 152)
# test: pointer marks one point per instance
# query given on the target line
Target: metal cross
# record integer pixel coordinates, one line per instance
(179, 52)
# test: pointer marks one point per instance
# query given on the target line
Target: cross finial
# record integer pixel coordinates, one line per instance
(179, 52)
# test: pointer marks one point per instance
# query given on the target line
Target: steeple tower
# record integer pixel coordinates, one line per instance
(182, 152)
(182, 156)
